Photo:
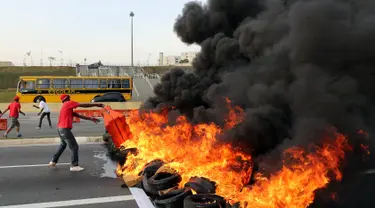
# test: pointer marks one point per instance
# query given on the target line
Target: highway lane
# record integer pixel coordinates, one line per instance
(143, 89)
(24, 179)
(30, 121)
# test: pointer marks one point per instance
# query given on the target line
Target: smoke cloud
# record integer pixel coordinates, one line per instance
(296, 67)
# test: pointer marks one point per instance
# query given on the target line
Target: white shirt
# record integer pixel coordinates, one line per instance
(45, 107)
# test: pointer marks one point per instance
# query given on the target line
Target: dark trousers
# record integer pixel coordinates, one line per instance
(67, 138)
(48, 118)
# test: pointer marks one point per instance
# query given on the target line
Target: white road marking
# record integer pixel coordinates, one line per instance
(141, 198)
(99, 200)
(29, 166)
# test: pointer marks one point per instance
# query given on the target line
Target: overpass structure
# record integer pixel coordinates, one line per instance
(143, 83)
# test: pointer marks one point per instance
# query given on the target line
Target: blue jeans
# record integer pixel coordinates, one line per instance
(67, 138)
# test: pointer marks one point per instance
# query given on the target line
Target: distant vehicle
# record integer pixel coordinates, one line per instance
(110, 97)
(81, 89)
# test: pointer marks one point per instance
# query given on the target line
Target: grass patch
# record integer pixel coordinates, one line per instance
(6, 96)
(9, 75)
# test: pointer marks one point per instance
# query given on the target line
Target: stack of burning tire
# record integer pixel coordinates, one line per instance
(162, 184)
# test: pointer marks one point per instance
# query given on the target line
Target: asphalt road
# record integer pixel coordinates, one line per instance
(84, 128)
(30, 121)
(143, 88)
(25, 180)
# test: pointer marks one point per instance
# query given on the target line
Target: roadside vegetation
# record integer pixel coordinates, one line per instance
(9, 77)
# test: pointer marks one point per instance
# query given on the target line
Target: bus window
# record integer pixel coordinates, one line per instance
(60, 83)
(91, 83)
(26, 86)
(103, 83)
(76, 83)
(114, 83)
(125, 83)
(43, 83)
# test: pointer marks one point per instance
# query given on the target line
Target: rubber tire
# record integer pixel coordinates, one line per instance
(106, 137)
(163, 181)
(114, 153)
(39, 96)
(146, 186)
(198, 201)
(201, 185)
(151, 168)
(172, 199)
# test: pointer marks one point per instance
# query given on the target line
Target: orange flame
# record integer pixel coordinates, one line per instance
(193, 150)
(295, 184)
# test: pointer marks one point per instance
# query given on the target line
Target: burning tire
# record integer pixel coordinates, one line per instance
(118, 155)
(151, 168)
(146, 187)
(204, 201)
(105, 137)
(172, 199)
(201, 185)
(114, 153)
(162, 181)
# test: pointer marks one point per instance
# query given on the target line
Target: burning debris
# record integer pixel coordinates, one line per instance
(284, 87)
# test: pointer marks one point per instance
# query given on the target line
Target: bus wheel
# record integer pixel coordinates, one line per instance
(37, 98)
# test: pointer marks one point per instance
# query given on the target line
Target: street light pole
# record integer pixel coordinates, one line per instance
(131, 17)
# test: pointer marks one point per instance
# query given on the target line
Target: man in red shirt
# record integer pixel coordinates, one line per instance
(15, 110)
(65, 125)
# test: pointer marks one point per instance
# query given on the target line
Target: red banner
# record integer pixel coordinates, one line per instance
(97, 113)
(3, 124)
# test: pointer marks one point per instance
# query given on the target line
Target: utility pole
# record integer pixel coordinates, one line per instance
(132, 48)
(41, 57)
(61, 60)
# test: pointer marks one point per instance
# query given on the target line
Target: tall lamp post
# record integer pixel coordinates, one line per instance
(131, 17)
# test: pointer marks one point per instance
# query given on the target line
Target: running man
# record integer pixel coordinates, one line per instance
(65, 125)
(44, 110)
(14, 109)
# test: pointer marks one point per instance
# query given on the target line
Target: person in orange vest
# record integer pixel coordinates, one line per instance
(65, 125)
(14, 109)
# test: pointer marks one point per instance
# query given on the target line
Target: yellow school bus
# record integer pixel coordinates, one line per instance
(81, 89)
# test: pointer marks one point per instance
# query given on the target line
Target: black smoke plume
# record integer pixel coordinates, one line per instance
(296, 67)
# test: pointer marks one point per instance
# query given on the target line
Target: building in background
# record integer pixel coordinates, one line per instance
(189, 56)
(161, 59)
(6, 63)
(185, 59)
(171, 60)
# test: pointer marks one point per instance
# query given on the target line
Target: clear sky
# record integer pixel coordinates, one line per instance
(92, 29)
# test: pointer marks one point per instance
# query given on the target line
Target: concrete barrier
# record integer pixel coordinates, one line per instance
(55, 107)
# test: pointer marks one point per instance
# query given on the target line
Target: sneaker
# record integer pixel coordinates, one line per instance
(19, 135)
(52, 164)
(76, 168)
(5, 135)
(51, 127)
(38, 128)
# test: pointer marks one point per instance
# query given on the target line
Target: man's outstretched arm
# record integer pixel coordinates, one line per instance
(89, 105)
(95, 120)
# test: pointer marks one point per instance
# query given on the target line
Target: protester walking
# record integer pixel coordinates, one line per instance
(44, 111)
(14, 109)
(65, 125)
